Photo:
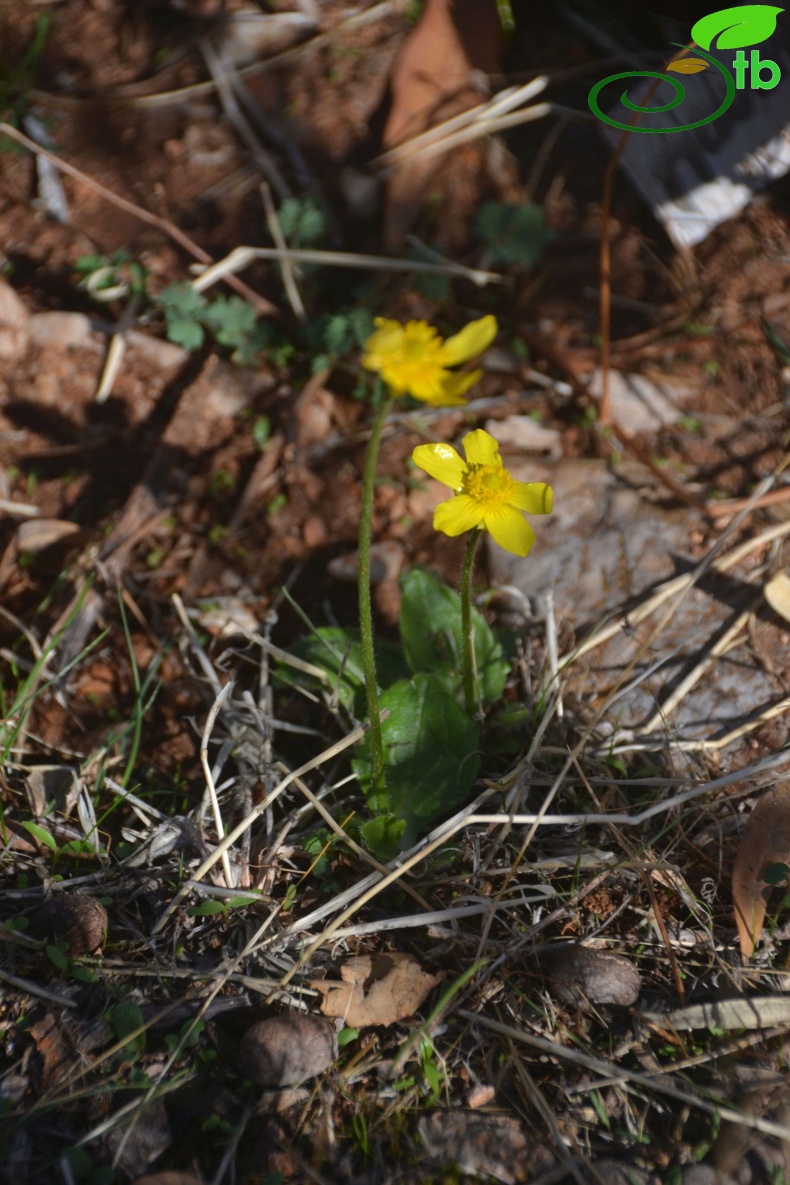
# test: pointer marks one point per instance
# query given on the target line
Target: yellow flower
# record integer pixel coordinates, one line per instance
(485, 493)
(412, 358)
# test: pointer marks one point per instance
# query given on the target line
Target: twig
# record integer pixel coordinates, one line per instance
(242, 257)
(287, 268)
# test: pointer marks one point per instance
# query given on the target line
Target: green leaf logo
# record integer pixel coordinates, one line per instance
(748, 24)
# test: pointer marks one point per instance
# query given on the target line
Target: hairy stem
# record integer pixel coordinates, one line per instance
(467, 629)
(365, 612)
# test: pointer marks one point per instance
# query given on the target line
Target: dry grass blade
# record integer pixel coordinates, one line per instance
(613, 1073)
(212, 790)
(241, 257)
(759, 1012)
(352, 739)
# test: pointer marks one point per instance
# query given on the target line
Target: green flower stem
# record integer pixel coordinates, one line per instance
(467, 629)
(365, 612)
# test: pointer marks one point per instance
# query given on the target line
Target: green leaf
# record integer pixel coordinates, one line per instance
(382, 835)
(302, 221)
(430, 624)
(41, 834)
(431, 755)
(207, 909)
(181, 301)
(346, 1036)
(57, 957)
(338, 652)
(747, 24)
(513, 234)
(231, 319)
(774, 874)
(83, 974)
(125, 1018)
(188, 334)
(338, 335)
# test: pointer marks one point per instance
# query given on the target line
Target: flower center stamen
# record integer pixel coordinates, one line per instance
(489, 484)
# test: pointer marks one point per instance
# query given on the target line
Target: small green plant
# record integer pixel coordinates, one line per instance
(16, 78)
(512, 234)
(430, 745)
(231, 321)
(107, 276)
(302, 221)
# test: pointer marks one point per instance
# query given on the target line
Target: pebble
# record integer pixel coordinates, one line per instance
(74, 918)
(577, 975)
(287, 1050)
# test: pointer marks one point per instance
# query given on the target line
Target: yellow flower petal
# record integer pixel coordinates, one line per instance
(481, 448)
(533, 496)
(454, 387)
(442, 462)
(471, 341)
(510, 529)
(460, 514)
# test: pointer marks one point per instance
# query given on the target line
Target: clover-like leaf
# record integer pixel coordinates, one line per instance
(747, 24)
(687, 66)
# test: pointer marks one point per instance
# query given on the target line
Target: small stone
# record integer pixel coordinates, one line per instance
(287, 1050)
(526, 435)
(74, 918)
(314, 531)
(62, 331)
(578, 975)
(14, 324)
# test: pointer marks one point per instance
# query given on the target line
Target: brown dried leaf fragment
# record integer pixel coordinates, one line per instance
(765, 842)
(376, 989)
(432, 80)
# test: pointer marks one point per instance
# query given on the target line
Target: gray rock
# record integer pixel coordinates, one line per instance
(608, 544)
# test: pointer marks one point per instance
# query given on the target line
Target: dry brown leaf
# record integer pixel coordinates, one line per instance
(777, 594)
(432, 80)
(376, 989)
(40, 533)
(765, 841)
(53, 1047)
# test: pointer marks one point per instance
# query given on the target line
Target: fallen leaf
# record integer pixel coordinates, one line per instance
(40, 533)
(777, 594)
(765, 842)
(432, 80)
(376, 989)
(54, 1049)
(688, 66)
